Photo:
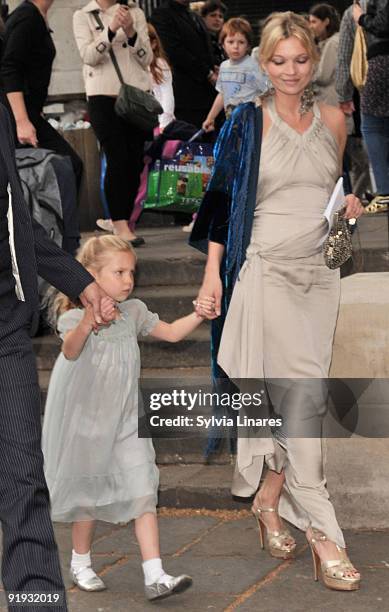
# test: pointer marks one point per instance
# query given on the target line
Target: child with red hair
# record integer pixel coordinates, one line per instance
(240, 79)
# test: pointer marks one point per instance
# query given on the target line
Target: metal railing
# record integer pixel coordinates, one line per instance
(148, 6)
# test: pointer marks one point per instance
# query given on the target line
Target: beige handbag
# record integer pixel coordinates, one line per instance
(359, 64)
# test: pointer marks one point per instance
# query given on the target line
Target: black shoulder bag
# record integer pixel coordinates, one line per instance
(135, 106)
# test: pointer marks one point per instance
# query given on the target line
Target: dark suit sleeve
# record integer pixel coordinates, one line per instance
(58, 267)
(376, 19)
(177, 49)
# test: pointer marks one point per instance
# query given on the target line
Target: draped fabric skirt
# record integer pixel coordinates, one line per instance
(280, 327)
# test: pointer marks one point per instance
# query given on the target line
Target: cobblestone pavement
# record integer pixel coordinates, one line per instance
(220, 549)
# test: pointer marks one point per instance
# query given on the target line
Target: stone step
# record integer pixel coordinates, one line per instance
(195, 486)
(151, 218)
(170, 271)
(367, 260)
(167, 259)
(191, 352)
(359, 501)
(169, 301)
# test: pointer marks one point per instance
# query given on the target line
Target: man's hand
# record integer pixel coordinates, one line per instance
(357, 12)
(26, 132)
(347, 107)
(104, 308)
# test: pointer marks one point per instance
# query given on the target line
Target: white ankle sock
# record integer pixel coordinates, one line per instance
(82, 566)
(153, 571)
(79, 562)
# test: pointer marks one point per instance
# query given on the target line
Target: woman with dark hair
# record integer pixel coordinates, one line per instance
(324, 21)
(213, 13)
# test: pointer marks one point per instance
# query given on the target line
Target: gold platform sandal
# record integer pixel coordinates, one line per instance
(378, 204)
(277, 541)
(333, 573)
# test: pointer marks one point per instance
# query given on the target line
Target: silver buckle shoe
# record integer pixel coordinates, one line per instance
(91, 583)
(159, 590)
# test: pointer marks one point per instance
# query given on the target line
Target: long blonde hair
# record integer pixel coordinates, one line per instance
(93, 256)
(279, 26)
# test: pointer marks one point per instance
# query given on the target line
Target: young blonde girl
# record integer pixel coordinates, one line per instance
(95, 465)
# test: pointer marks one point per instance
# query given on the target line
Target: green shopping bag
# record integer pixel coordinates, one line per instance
(178, 184)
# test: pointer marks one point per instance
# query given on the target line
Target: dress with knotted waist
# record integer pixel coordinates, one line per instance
(282, 316)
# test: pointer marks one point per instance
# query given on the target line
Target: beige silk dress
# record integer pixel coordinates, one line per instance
(284, 307)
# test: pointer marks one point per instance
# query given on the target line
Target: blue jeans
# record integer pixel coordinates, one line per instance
(375, 131)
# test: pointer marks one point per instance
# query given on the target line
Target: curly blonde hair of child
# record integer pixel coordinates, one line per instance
(280, 26)
(93, 255)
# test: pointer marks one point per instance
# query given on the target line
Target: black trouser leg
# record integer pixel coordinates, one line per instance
(30, 556)
(123, 145)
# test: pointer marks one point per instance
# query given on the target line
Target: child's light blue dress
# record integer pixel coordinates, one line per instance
(96, 467)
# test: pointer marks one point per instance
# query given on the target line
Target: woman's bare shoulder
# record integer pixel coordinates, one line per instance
(333, 117)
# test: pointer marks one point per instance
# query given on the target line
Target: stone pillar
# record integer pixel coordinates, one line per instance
(357, 466)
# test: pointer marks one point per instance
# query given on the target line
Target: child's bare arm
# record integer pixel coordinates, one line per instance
(217, 107)
(179, 329)
(75, 339)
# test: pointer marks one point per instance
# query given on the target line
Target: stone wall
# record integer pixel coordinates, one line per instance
(67, 75)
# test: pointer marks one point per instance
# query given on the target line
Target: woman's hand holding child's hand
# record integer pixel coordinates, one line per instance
(205, 307)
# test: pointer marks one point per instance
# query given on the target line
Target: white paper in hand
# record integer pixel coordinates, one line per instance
(336, 202)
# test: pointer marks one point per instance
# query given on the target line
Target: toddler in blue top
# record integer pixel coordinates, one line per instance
(240, 79)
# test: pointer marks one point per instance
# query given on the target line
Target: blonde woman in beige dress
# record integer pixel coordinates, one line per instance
(283, 311)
